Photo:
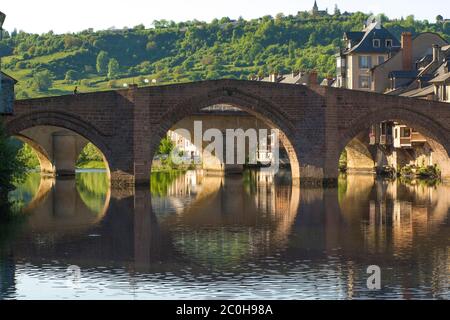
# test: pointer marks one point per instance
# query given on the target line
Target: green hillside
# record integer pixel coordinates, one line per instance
(50, 64)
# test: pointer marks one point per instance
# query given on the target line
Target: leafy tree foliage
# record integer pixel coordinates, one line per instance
(166, 146)
(102, 62)
(89, 153)
(192, 50)
(12, 166)
(113, 69)
(42, 80)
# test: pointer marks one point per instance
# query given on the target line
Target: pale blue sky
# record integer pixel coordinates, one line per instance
(62, 16)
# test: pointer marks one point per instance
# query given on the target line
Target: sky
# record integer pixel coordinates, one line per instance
(73, 16)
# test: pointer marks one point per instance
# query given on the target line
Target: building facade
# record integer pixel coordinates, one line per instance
(375, 60)
(363, 51)
(7, 84)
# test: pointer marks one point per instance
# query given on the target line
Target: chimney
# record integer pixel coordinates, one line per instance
(329, 79)
(312, 79)
(436, 53)
(407, 51)
(273, 77)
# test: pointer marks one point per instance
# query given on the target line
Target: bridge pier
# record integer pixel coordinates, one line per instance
(57, 150)
(66, 150)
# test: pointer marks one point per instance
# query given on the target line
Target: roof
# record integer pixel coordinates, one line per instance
(441, 78)
(403, 74)
(421, 92)
(354, 35)
(375, 31)
(289, 78)
(7, 77)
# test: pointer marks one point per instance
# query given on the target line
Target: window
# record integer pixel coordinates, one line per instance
(376, 43)
(365, 62)
(405, 132)
(388, 43)
(364, 82)
(381, 59)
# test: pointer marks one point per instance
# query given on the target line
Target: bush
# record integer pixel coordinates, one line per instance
(90, 153)
(12, 167)
(428, 172)
(112, 84)
(42, 81)
(407, 171)
(71, 75)
(22, 65)
(86, 83)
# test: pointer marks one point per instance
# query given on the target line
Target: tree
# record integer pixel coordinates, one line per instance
(42, 80)
(166, 146)
(88, 154)
(113, 69)
(71, 75)
(102, 62)
(12, 167)
(439, 19)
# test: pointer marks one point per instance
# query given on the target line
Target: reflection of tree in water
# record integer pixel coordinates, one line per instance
(93, 188)
(342, 187)
(160, 182)
(25, 191)
(11, 222)
(11, 216)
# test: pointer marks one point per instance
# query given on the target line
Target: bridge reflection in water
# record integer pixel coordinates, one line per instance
(248, 236)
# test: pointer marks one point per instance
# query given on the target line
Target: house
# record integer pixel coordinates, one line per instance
(416, 60)
(6, 93)
(430, 78)
(375, 60)
(364, 50)
(296, 77)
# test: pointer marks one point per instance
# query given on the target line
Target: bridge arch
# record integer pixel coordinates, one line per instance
(258, 107)
(45, 163)
(437, 136)
(61, 120)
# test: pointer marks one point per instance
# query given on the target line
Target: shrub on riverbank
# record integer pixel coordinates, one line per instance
(12, 166)
(423, 172)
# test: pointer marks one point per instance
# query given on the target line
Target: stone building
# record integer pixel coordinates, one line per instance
(6, 93)
(375, 60)
(363, 51)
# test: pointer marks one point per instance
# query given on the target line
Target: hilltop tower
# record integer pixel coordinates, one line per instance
(315, 9)
(316, 12)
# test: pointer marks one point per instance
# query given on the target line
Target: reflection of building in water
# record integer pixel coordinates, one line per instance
(393, 216)
(218, 224)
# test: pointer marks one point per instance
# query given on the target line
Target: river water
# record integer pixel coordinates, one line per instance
(252, 236)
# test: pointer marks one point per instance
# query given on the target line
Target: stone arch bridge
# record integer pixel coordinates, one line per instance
(316, 123)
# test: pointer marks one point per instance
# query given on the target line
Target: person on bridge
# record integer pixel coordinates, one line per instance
(75, 91)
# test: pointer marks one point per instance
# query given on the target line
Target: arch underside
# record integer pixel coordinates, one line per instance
(57, 139)
(362, 155)
(262, 110)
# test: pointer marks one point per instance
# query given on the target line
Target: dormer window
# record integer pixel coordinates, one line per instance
(389, 43)
(376, 43)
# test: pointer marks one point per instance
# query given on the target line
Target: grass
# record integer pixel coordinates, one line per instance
(92, 165)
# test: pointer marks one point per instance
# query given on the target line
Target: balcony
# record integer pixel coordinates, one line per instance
(340, 71)
(385, 140)
(416, 137)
